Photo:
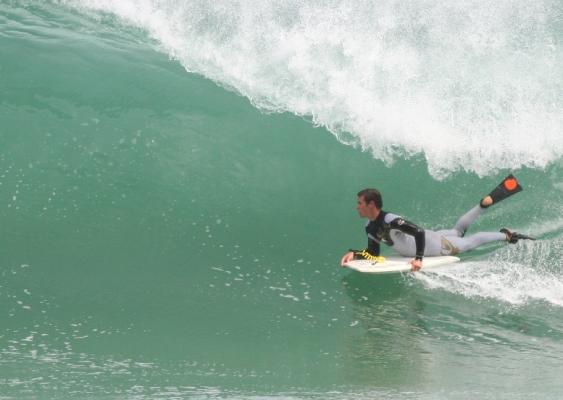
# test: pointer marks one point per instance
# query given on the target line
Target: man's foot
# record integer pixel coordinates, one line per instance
(486, 202)
(514, 237)
(505, 189)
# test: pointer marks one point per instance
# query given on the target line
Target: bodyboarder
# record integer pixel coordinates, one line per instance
(410, 240)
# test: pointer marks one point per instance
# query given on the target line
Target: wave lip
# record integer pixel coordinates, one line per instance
(471, 86)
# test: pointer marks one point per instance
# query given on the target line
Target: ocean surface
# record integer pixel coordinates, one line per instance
(178, 183)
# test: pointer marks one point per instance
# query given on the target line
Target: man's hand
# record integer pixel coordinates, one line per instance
(416, 265)
(347, 257)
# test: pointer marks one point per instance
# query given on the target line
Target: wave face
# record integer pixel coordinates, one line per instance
(163, 237)
(472, 85)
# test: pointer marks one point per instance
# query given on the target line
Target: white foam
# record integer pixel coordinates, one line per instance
(473, 85)
(514, 274)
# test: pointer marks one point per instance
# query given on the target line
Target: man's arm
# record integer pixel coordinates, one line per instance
(372, 250)
(411, 229)
(373, 247)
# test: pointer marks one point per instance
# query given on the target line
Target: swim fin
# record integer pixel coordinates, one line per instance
(514, 237)
(506, 188)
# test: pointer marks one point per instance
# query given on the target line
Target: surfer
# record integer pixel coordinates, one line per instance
(410, 240)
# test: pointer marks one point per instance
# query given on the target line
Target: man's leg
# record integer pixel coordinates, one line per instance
(506, 188)
(463, 223)
(463, 244)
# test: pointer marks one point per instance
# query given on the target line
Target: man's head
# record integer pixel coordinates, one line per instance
(369, 203)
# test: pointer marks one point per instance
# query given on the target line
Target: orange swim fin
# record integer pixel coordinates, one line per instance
(505, 189)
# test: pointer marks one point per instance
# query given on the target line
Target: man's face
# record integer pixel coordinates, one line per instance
(364, 209)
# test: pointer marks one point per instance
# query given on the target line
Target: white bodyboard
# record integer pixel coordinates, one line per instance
(393, 265)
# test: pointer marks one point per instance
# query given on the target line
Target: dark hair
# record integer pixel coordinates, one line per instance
(371, 195)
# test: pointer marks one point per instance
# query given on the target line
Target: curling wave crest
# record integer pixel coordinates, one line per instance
(474, 86)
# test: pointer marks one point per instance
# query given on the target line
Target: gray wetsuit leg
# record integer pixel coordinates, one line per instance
(448, 241)
(453, 240)
(464, 222)
(463, 244)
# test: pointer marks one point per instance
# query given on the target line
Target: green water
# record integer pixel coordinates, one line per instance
(164, 238)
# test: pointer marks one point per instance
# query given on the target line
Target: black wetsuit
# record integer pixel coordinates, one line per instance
(388, 227)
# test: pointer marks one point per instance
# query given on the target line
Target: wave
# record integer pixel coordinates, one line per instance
(515, 275)
(472, 86)
(161, 230)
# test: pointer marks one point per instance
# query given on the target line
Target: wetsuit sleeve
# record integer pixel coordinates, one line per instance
(411, 229)
(373, 247)
(372, 251)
